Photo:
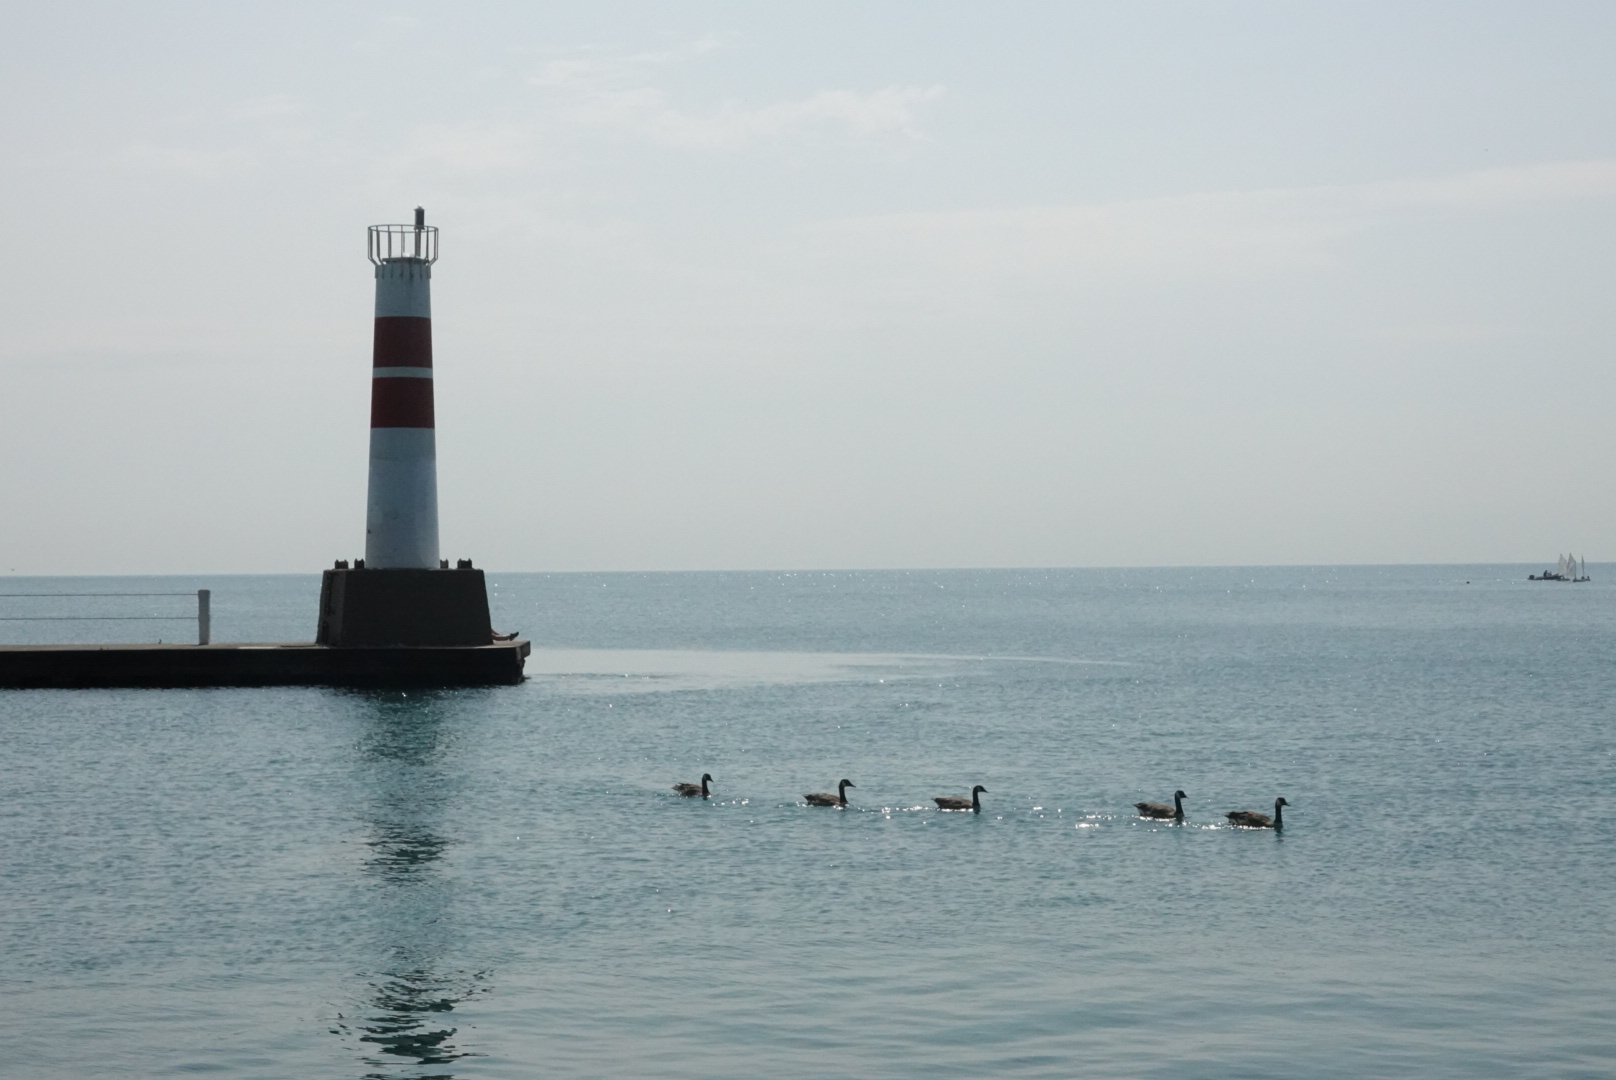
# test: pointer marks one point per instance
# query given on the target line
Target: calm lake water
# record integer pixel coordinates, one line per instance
(498, 882)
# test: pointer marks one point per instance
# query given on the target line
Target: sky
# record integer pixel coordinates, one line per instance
(816, 285)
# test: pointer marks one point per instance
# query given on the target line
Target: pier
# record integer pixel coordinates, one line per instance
(293, 664)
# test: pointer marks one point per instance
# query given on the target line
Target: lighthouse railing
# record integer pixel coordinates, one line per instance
(390, 243)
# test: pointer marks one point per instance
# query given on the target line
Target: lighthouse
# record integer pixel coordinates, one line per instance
(401, 593)
(401, 514)
(397, 617)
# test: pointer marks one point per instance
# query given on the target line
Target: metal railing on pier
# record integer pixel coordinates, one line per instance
(204, 615)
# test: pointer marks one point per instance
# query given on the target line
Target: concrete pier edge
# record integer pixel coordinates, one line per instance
(289, 664)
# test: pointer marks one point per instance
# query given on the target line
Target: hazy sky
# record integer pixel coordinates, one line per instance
(818, 284)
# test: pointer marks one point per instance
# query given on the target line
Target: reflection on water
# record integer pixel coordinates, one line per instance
(401, 853)
(406, 757)
(408, 1025)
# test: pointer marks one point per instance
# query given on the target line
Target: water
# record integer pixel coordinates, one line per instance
(498, 883)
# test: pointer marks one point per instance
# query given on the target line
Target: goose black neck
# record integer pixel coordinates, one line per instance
(1279, 809)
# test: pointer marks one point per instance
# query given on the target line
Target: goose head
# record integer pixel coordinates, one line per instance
(707, 778)
(979, 788)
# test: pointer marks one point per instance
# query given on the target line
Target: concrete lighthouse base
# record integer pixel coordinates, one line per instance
(415, 608)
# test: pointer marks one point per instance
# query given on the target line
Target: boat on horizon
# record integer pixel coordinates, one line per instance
(1569, 568)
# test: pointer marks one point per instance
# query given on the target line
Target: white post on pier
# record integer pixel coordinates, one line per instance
(204, 617)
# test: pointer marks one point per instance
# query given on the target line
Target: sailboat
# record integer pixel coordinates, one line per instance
(1567, 568)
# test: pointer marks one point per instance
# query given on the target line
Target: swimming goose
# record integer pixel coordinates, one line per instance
(690, 791)
(1253, 820)
(1162, 810)
(825, 798)
(954, 802)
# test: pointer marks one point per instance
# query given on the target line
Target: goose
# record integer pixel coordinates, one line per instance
(1253, 820)
(690, 791)
(825, 798)
(1162, 810)
(955, 802)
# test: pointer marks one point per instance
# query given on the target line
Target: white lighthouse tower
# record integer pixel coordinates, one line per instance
(401, 594)
(401, 518)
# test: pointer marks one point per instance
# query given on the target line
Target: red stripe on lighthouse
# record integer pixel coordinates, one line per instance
(401, 403)
(402, 341)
